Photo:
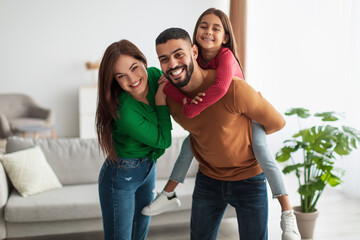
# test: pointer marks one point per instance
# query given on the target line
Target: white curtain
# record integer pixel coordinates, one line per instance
(307, 54)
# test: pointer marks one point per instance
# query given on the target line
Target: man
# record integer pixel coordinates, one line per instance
(221, 142)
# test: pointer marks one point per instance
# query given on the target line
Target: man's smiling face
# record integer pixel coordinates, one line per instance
(176, 61)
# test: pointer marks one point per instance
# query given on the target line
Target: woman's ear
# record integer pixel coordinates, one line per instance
(226, 39)
(195, 51)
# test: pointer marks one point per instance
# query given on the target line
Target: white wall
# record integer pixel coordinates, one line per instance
(307, 54)
(44, 44)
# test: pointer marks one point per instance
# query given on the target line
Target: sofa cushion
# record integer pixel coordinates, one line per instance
(29, 171)
(74, 160)
(66, 203)
(74, 202)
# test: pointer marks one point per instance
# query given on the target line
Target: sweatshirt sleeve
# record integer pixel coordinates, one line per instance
(226, 68)
(256, 107)
(174, 93)
(138, 127)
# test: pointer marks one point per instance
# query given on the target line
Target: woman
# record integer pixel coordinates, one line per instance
(134, 129)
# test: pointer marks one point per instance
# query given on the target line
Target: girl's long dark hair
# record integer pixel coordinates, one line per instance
(108, 93)
(231, 43)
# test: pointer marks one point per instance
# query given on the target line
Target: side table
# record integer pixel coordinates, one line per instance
(35, 130)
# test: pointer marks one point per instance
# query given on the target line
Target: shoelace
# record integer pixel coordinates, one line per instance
(289, 222)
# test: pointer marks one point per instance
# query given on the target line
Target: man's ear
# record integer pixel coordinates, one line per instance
(195, 52)
(226, 39)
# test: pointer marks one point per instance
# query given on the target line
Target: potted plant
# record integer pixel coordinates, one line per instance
(317, 148)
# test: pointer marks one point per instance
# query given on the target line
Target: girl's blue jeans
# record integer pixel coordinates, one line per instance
(261, 152)
(125, 188)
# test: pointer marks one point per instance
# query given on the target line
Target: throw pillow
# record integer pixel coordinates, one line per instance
(29, 171)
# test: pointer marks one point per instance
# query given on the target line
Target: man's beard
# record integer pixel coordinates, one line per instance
(189, 70)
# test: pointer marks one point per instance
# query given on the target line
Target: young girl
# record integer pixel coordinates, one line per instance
(214, 38)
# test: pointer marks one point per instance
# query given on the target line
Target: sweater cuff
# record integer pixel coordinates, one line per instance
(163, 113)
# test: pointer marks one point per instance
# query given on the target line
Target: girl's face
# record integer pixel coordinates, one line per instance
(211, 34)
(131, 75)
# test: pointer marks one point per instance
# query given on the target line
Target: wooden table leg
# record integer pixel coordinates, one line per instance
(53, 135)
(36, 135)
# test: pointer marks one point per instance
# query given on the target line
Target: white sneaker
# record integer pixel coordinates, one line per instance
(161, 204)
(289, 226)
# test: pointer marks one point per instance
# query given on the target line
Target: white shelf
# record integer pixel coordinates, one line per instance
(87, 111)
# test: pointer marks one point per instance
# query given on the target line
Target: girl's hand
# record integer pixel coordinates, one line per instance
(198, 98)
(160, 97)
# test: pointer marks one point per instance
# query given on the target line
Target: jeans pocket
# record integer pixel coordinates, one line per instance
(102, 172)
(130, 173)
(258, 179)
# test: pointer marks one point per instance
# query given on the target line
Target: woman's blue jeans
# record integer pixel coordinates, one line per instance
(125, 188)
(211, 197)
(261, 152)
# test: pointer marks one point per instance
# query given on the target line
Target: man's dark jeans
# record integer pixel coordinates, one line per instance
(211, 197)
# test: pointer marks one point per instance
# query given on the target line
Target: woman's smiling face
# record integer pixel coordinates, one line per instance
(131, 75)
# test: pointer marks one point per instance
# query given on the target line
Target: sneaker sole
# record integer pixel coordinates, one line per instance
(168, 208)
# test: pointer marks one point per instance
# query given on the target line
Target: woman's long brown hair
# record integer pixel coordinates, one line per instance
(108, 93)
(231, 43)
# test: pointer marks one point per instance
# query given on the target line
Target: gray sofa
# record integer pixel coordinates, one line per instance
(75, 207)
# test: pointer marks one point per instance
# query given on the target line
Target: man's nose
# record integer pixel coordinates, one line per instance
(172, 63)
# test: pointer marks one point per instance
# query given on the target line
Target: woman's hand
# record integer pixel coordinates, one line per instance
(160, 97)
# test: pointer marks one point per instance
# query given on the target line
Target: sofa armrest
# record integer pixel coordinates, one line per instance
(4, 195)
(4, 187)
(5, 129)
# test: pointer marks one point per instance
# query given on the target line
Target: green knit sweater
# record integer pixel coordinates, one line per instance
(142, 130)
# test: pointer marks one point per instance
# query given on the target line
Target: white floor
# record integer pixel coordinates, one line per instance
(339, 219)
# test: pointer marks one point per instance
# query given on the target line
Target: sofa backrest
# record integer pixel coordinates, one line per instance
(15, 105)
(78, 161)
(74, 160)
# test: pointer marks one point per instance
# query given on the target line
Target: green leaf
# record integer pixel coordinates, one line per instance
(327, 116)
(311, 186)
(341, 148)
(300, 112)
(352, 131)
(318, 148)
(332, 179)
(325, 168)
(353, 134)
(353, 143)
(282, 156)
(290, 168)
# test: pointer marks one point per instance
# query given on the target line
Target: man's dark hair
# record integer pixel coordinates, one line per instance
(172, 33)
